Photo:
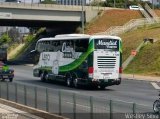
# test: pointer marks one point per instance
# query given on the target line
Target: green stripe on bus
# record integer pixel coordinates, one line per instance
(78, 61)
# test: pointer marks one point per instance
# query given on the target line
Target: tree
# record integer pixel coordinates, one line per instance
(48, 2)
(13, 33)
(5, 39)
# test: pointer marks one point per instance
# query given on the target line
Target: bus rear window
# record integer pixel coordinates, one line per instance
(109, 44)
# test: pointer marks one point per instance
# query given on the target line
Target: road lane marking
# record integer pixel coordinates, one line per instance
(155, 85)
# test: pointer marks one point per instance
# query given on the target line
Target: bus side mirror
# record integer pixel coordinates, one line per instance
(34, 56)
(33, 51)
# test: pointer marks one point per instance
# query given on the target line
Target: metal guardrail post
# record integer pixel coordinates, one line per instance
(25, 95)
(134, 109)
(74, 106)
(16, 96)
(35, 91)
(60, 102)
(111, 109)
(91, 107)
(0, 90)
(47, 100)
(158, 113)
(7, 91)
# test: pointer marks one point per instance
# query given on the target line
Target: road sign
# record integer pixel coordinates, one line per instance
(133, 52)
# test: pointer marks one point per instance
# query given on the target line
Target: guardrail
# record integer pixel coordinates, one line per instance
(151, 12)
(145, 13)
(50, 6)
(71, 105)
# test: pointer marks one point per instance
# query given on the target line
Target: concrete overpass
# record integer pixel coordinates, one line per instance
(45, 15)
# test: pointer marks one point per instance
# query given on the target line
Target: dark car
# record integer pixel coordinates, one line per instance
(6, 74)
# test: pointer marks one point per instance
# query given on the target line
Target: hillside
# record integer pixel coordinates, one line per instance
(147, 61)
(111, 18)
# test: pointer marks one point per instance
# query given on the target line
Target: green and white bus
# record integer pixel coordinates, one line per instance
(79, 59)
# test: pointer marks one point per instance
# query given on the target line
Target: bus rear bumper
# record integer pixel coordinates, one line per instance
(105, 82)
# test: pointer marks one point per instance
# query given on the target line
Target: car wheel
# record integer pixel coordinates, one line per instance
(10, 79)
(3, 79)
(156, 106)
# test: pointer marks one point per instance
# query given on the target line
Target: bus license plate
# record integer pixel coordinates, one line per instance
(105, 77)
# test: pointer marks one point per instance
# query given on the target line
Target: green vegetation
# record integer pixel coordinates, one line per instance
(48, 2)
(147, 61)
(27, 40)
(5, 39)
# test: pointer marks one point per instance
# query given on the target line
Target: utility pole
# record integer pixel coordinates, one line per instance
(126, 1)
(82, 20)
(114, 3)
(152, 4)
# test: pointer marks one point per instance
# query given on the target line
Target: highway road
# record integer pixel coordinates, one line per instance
(124, 95)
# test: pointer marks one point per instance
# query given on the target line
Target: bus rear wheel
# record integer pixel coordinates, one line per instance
(69, 82)
(102, 87)
(75, 83)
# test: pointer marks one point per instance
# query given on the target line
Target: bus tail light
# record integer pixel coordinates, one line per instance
(90, 72)
(120, 70)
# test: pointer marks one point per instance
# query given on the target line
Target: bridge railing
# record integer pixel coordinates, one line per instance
(69, 103)
(151, 12)
(132, 24)
(50, 6)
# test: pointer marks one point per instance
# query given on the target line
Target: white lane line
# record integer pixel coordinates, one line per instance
(155, 85)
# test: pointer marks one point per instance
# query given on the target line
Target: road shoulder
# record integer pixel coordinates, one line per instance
(140, 77)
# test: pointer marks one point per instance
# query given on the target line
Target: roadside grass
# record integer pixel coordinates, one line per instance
(132, 39)
(147, 60)
(13, 50)
(22, 49)
(28, 40)
(111, 18)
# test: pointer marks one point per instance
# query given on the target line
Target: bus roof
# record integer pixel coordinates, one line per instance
(64, 38)
(77, 36)
(72, 35)
(105, 36)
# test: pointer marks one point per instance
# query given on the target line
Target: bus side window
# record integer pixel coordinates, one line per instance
(81, 45)
(52, 46)
(57, 46)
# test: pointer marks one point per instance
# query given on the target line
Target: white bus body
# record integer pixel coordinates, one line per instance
(80, 60)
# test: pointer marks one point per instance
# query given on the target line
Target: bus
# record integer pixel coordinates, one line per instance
(80, 59)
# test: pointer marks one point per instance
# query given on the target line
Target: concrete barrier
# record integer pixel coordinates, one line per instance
(31, 110)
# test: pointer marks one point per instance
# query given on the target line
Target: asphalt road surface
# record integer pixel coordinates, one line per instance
(124, 95)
